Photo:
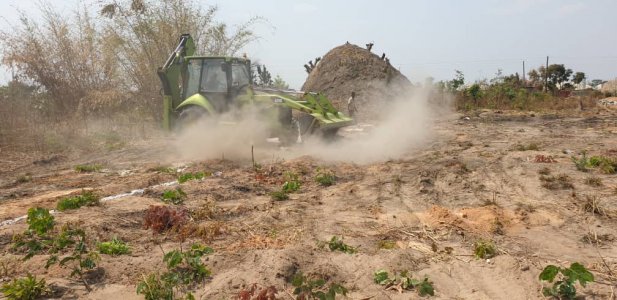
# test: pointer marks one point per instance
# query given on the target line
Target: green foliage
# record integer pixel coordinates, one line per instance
(607, 165)
(403, 281)
(336, 244)
(175, 197)
(292, 183)
(458, 81)
(182, 178)
(86, 198)
(325, 178)
(279, 195)
(582, 163)
(27, 288)
(484, 249)
(279, 83)
(39, 220)
(88, 168)
(184, 269)
(564, 286)
(309, 288)
(114, 247)
(474, 92)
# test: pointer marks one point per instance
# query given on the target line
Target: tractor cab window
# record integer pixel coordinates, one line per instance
(192, 81)
(213, 76)
(239, 75)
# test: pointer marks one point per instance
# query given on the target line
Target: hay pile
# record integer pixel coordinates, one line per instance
(350, 68)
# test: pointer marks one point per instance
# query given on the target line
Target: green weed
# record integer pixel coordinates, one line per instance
(27, 288)
(182, 178)
(325, 178)
(88, 168)
(292, 183)
(114, 247)
(403, 281)
(336, 244)
(564, 286)
(308, 288)
(484, 249)
(86, 198)
(279, 195)
(39, 220)
(175, 197)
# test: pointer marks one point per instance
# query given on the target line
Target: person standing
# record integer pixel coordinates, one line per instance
(352, 110)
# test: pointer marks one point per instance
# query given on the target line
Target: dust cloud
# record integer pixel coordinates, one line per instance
(404, 124)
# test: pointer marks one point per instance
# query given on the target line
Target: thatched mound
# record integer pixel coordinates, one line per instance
(349, 68)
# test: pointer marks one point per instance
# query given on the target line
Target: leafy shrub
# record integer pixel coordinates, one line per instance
(86, 198)
(403, 281)
(337, 244)
(27, 288)
(88, 168)
(39, 220)
(162, 218)
(325, 178)
(182, 178)
(184, 269)
(114, 247)
(564, 287)
(307, 288)
(484, 249)
(175, 197)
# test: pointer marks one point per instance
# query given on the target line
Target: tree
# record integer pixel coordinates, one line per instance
(596, 82)
(578, 77)
(558, 75)
(458, 81)
(279, 83)
(264, 78)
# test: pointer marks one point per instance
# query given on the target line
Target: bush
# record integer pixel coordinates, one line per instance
(175, 197)
(27, 288)
(325, 178)
(39, 220)
(564, 287)
(484, 249)
(86, 198)
(182, 178)
(162, 218)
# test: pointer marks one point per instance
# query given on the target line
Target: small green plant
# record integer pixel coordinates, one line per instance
(86, 198)
(88, 168)
(279, 195)
(336, 244)
(114, 247)
(182, 178)
(175, 197)
(403, 281)
(484, 249)
(310, 288)
(184, 269)
(581, 163)
(27, 288)
(292, 183)
(325, 178)
(39, 220)
(386, 244)
(80, 259)
(163, 169)
(564, 286)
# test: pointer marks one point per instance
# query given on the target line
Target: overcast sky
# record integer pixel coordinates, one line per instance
(422, 38)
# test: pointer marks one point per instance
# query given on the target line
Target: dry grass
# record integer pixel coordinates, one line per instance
(559, 182)
(593, 181)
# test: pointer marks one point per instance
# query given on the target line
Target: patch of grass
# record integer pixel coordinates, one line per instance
(205, 211)
(315, 288)
(403, 281)
(592, 205)
(593, 181)
(336, 244)
(386, 244)
(564, 287)
(182, 178)
(114, 247)
(86, 198)
(163, 169)
(26, 288)
(24, 178)
(544, 171)
(175, 196)
(484, 249)
(607, 165)
(561, 181)
(279, 195)
(325, 178)
(528, 147)
(88, 168)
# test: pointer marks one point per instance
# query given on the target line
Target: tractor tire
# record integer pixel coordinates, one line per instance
(189, 116)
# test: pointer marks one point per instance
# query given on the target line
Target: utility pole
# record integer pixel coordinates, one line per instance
(525, 82)
(546, 76)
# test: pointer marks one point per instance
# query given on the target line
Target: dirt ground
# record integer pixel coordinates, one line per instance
(470, 182)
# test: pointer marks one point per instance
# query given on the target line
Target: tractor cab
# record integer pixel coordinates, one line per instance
(220, 80)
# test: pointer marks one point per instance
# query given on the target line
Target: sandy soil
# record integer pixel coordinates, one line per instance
(468, 183)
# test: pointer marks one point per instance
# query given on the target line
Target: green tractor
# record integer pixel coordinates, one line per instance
(196, 87)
